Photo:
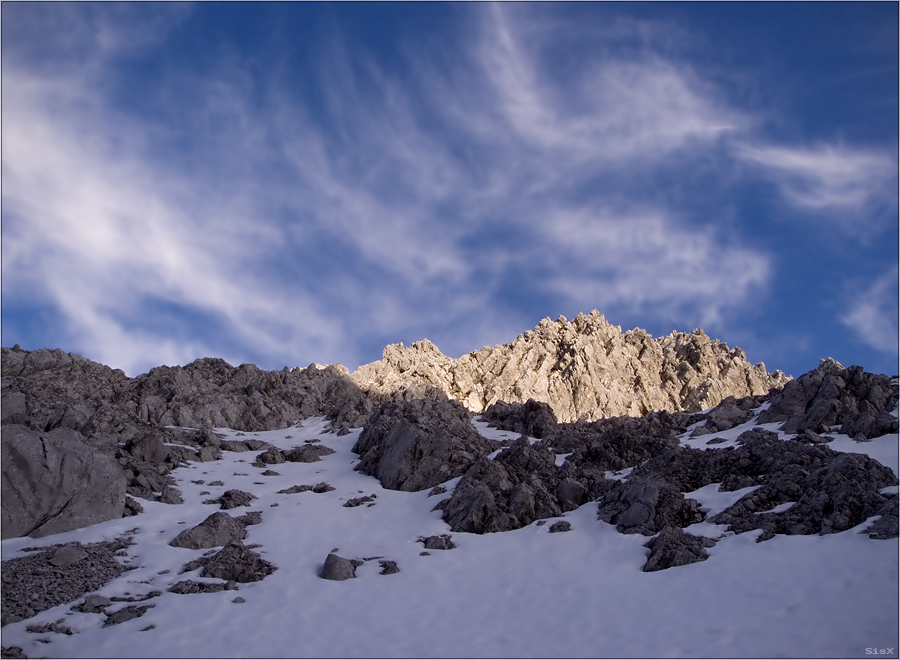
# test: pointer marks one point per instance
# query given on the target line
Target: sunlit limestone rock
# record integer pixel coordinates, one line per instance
(584, 369)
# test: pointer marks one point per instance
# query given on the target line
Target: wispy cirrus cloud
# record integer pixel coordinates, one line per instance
(106, 237)
(242, 221)
(872, 313)
(830, 178)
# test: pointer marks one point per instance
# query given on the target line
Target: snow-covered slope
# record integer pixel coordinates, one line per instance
(521, 593)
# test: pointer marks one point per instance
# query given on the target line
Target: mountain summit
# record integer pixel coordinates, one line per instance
(584, 369)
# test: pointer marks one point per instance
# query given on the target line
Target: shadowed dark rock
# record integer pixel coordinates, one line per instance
(219, 529)
(194, 587)
(419, 444)
(126, 614)
(646, 505)
(337, 568)
(442, 542)
(829, 396)
(54, 482)
(235, 562)
(235, 498)
(672, 547)
(307, 453)
(532, 418)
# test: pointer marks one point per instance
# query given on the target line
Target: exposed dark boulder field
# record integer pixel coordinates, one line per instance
(174, 470)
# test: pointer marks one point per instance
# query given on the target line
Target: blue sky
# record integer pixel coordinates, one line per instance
(285, 183)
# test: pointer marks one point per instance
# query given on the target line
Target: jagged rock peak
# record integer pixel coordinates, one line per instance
(585, 369)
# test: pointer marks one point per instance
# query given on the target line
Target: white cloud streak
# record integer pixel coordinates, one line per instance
(872, 313)
(830, 178)
(424, 227)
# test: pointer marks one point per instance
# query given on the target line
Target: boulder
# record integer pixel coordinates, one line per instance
(337, 568)
(236, 562)
(235, 498)
(442, 542)
(307, 453)
(93, 604)
(271, 456)
(388, 567)
(886, 527)
(194, 587)
(728, 414)
(672, 547)
(127, 613)
(219, 529)
(148, 447)
(54, 482)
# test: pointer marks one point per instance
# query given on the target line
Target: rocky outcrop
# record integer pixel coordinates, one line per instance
(440, 542)
(46, 388)
(419, 444)
(831, 396)
(55, 482)
(533, 418)
(584, 369)
(511, 491)
(233, 562)
(672, 547)
(730, 412)
(827, 491)
(646, 505)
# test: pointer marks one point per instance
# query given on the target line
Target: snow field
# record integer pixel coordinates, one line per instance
(524, 593)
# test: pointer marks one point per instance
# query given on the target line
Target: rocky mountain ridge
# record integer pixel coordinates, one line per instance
(584, 369)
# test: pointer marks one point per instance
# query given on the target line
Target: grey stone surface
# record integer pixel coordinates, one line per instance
(857, 401)
(419, 444)
(235, 498)
(93, 603)
(359, 501)
(886, 527)
(730, 412)
(440, 542)
(337, 568)
(672, 547)
(127, 613)
(219, 529)
(32, 583)
(54, 482)
(307, 453)
(194, 587)
(233, 562)
(509, 492)
(645, 505)
(388, 567)
(532, 418)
